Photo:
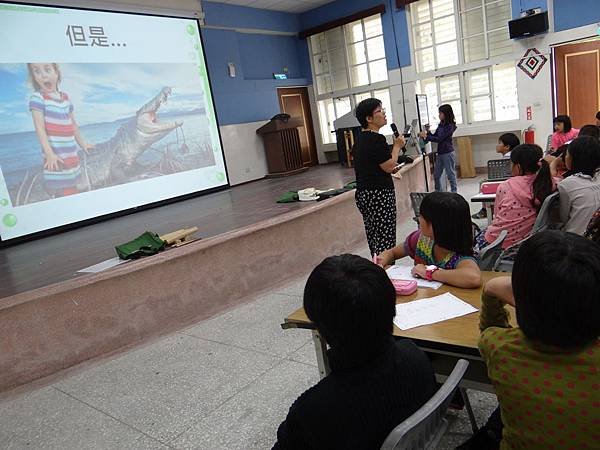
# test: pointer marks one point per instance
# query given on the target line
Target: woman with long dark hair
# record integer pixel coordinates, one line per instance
(446, 160)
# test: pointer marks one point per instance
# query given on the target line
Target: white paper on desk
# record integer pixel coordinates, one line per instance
(104, 265)
(403, 273)
(430, 310)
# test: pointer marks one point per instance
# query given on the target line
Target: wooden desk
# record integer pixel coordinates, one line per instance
(488, 203)
(444, 342)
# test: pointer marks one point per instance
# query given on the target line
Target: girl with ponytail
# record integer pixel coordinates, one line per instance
(519, 198)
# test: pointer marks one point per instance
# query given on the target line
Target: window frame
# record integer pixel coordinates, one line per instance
(351, 91)
(463, 68)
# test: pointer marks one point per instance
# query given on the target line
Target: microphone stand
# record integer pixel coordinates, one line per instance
(425, 171)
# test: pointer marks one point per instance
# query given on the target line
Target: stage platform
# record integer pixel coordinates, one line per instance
(57, 258)
(53, 318)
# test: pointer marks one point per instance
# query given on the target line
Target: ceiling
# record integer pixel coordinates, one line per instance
(290, 6)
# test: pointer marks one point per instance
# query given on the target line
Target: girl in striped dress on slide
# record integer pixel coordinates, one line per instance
(57, 131)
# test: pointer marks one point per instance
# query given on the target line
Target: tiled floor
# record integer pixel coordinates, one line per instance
(225, 383)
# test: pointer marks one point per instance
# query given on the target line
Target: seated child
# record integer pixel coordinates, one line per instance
(442, 247)
(579, 194)
(506, 143)
(519, 198)
(545, 371)
(375, 382)
(563, 132)
(557, 160)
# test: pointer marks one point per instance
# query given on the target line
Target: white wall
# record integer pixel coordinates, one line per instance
(322, 149)
(244, 152)
(537, 93)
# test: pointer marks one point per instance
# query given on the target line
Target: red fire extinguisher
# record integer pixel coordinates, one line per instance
(529, 135)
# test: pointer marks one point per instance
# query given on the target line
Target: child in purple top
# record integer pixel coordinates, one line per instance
(446, 161)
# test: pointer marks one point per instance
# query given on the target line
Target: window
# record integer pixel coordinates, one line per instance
(332, 109)
(448, 33)
(491, 94)
(481, 26)
(348, 65)
(434, 31)
(485, 28)
(366, 52)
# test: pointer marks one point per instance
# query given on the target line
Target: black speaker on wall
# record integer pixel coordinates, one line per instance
(528, 25)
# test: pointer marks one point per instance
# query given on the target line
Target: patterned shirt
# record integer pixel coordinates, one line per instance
(420, 248)
(549, 398)
(60, 131)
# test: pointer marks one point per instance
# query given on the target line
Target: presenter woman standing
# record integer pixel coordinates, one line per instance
(373, 164)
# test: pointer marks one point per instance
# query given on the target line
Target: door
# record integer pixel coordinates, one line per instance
(294, 101)
(577, 75)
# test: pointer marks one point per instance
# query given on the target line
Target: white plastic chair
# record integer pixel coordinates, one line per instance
(425, 428)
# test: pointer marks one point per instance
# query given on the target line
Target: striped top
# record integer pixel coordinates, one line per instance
(60, 131)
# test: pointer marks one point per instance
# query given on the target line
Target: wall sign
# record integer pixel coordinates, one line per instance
(532, 62)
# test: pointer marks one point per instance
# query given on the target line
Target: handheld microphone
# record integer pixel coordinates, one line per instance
(395, 130)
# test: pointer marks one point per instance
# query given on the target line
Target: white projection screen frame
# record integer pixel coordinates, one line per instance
(101, 113)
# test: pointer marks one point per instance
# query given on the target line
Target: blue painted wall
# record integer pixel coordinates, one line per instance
(251, 95)
(575, 13)
(522, 5)
(242, 17)
(263, 55)
(245, 98)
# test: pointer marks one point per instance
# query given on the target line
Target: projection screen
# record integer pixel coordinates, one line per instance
(100, 112)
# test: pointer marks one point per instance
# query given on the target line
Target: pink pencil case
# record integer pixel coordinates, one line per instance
(490, 188)
(404, 287)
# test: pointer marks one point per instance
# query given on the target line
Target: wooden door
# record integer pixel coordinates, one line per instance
(294, 101)
(577, 75)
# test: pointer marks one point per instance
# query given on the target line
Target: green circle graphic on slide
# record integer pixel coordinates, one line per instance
(3, 202)
(10, 220)
(191, 29)
(220, 176)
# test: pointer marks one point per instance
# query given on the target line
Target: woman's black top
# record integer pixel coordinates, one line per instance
(370, 150)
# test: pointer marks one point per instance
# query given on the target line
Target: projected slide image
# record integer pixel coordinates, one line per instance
(70, 128)
(101, 113)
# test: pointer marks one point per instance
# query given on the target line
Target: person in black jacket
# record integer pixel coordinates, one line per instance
(375, 382)
(373, 164)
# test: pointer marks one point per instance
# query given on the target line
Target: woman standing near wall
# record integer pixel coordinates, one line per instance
(373, 164)
(446, 160)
